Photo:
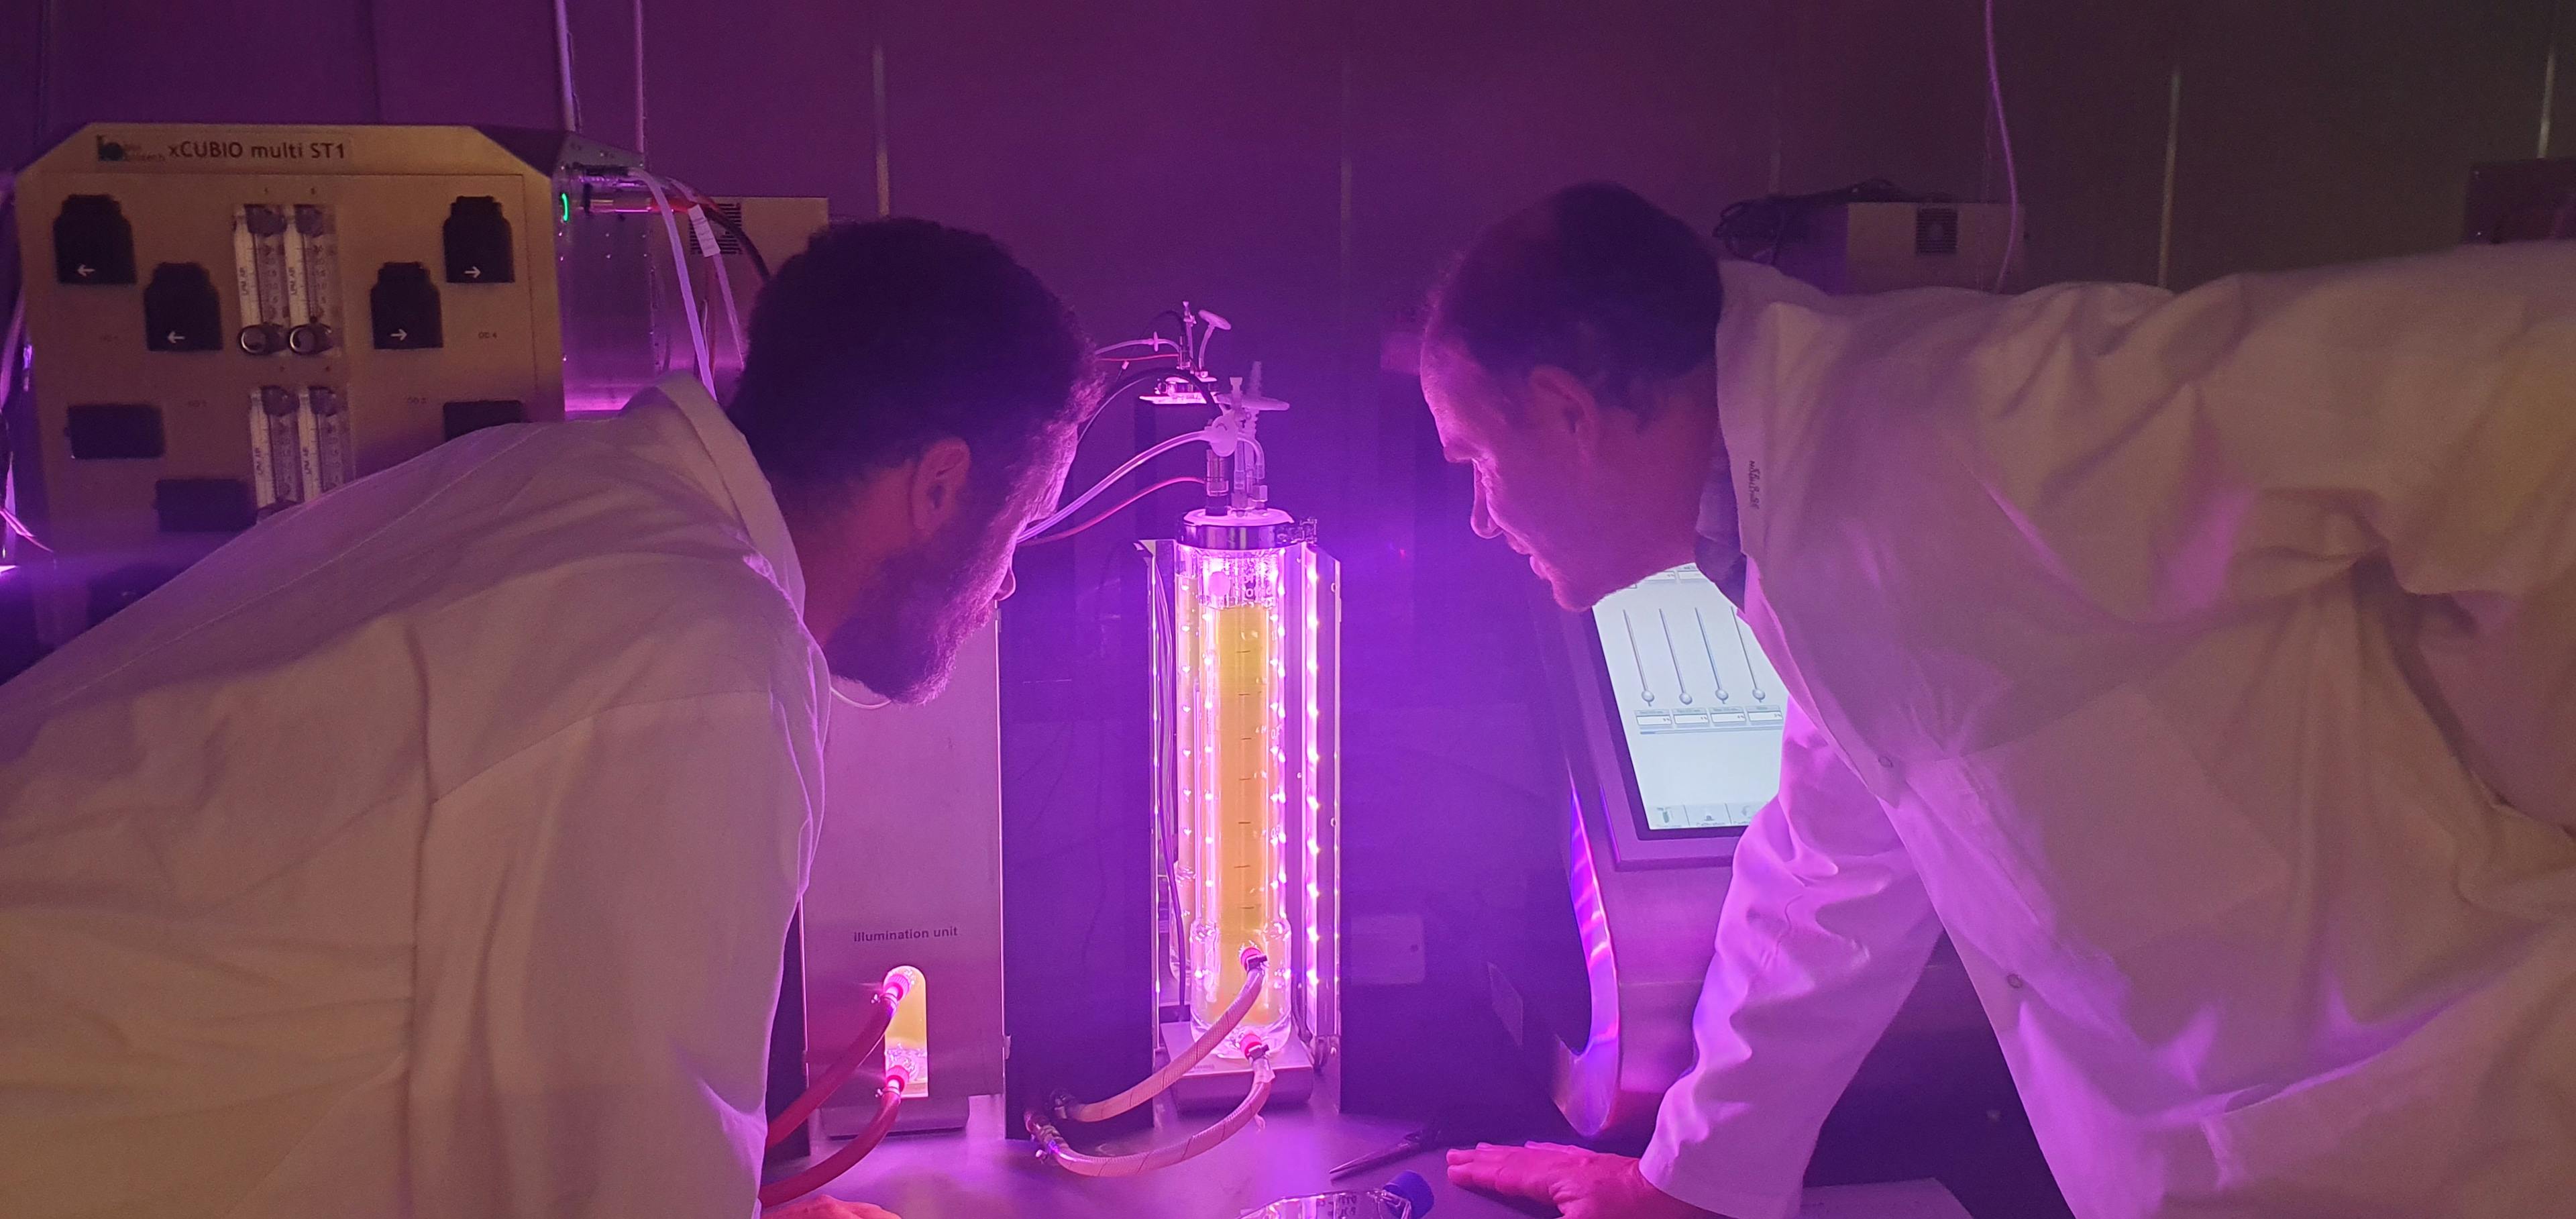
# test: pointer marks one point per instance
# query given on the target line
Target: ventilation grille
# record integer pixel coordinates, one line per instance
(1936, 230)
(726, 242)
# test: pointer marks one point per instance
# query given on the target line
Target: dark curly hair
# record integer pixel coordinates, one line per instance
(884, 337)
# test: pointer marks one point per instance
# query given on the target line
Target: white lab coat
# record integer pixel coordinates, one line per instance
(2206, 664)
(428, 850)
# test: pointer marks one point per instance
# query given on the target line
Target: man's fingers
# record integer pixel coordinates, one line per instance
(1516, 1171)
(827, 1207)
(1479, 1168)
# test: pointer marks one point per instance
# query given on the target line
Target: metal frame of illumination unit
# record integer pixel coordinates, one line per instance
(907, 871)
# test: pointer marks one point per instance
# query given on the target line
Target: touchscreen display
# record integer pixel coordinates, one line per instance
(1699, 706)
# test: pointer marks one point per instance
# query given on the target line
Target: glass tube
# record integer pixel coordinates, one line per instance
(1232, 870)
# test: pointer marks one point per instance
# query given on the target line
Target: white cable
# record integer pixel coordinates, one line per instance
(2548, 95)
(688, 287)
(9, 522)
(2012, 176)
(1156, 342)
(848, 701)
(570, 102)
(724, 289)
(9, 354)
(1060, 515)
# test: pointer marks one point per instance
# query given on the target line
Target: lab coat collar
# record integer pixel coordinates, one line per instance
(753, 501)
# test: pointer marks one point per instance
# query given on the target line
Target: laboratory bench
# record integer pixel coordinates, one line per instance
(979, 1174)
(1948, 1132)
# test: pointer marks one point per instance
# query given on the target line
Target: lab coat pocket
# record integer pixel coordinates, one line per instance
(2106, 828)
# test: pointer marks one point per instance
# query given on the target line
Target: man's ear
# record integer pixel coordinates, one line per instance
(938, 485)
(1563, 408)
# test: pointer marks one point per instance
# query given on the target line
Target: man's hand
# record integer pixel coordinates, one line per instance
(1579, 1184)
(819, 1207)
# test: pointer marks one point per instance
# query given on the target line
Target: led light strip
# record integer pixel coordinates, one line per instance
(1185, 724)
(1278, 729)
(1211, 785)
(1314, 800)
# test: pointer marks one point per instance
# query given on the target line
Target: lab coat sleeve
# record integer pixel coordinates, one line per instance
(603, 921)
(1825, 929)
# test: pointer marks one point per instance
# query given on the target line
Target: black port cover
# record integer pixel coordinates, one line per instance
(181, 311)
(93, 244)
(203, 505)
(474, 416)
(478, 241)
(404, 305)
(113, 429)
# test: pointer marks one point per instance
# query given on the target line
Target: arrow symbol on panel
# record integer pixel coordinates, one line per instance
(175, 338)
(84, 270)
(402, 336)
(473, 272)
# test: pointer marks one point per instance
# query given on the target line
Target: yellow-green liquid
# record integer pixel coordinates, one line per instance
(1235, 837)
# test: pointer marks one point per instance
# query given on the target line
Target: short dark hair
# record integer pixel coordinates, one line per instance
(886, 336)
(1592, 279)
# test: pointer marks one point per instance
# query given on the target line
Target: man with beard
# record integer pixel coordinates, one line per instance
(429, 849)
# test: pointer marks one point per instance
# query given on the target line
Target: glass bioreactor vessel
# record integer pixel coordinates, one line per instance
(1247, 790)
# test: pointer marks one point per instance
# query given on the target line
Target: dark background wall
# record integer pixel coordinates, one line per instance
(1303, 167)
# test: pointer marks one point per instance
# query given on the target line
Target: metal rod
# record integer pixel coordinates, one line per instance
(885, 168)
(1644, 682)
(1674, 654)
(2173, 142)
(1711, 652)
